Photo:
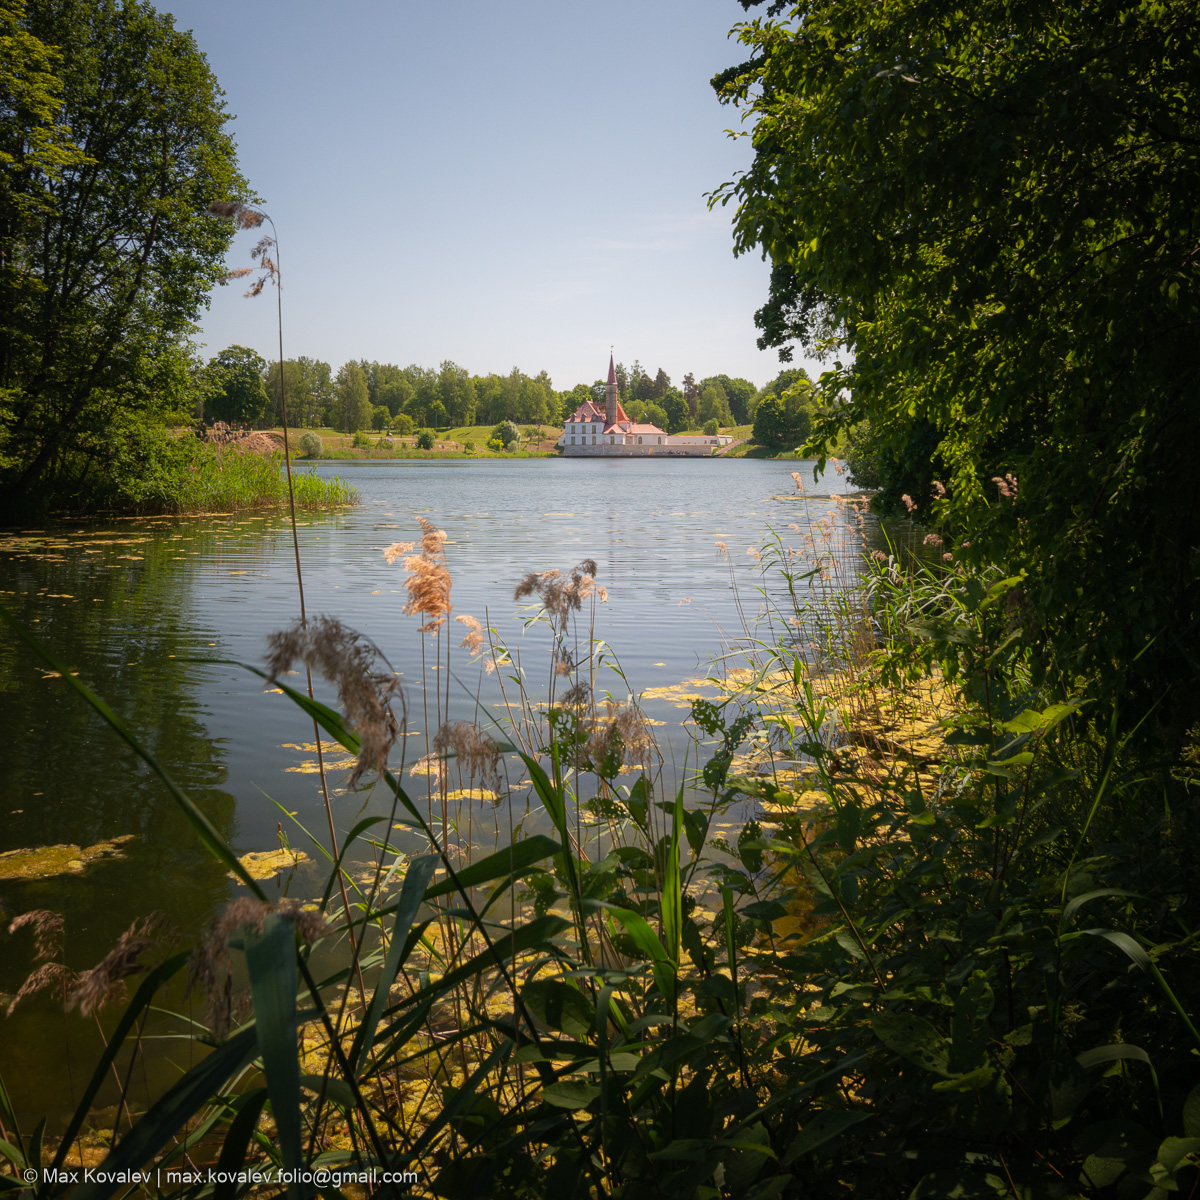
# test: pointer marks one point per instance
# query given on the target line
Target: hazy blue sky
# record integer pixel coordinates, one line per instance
(514, 183)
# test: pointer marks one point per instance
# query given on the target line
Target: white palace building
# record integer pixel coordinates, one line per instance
(595, 432)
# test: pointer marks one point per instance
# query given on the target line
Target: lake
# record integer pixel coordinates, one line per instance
(133, 605)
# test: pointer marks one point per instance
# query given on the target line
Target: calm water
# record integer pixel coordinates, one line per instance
(131, 605)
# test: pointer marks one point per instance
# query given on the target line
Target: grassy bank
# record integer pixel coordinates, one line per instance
(912, 926)
(449, 443)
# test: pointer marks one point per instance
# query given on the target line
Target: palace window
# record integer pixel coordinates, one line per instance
(639, 441)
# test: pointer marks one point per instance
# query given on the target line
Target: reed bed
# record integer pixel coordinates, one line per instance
(231, 477)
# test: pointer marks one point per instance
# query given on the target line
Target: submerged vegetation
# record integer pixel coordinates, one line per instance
(911, 925)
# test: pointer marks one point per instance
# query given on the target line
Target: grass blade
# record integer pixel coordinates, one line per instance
(170, 1113)
(412, 892)
(271, 962)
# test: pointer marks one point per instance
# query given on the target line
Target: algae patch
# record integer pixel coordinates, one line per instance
(266, 864)
(44, 862)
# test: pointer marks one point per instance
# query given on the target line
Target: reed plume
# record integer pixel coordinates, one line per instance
(105, 981)
(350, 662)
(428, 581)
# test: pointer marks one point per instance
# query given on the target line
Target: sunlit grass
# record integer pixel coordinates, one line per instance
(216, 480)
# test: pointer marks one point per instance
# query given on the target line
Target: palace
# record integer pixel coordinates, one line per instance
(595, 432)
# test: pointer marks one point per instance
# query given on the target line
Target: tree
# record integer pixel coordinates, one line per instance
(106, 265)
(456, 393)
(426, 439)
(711, 427)
(238, 394)
(661, 385)
(675, 409)
(655, 414)
(394, 394)
(691, 393)
(994, 212)
(354, 400)
(714, 404)
(780, 424)
(739, 393)
(311, 397)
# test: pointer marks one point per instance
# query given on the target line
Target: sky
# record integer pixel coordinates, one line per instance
(514, 183)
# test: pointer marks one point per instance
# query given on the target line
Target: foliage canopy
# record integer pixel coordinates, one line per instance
(110, 254)
(993, 212)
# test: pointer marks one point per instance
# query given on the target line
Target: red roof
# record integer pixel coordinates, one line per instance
(590, 411)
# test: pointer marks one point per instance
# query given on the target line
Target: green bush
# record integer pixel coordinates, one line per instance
(402, 423)
(361, 440)
(711, 427)
(426, 439)
(311, 445)
(469, 446)
(507, 432)
(495, 444)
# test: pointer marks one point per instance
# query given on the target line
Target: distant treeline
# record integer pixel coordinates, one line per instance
(240, 386)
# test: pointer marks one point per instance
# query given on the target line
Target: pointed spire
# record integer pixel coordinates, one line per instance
(612, 374)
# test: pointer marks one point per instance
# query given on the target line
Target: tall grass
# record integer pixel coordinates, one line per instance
(929, 961)
(225, 479)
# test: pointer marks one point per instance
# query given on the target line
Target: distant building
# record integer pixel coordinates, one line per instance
(595, 432)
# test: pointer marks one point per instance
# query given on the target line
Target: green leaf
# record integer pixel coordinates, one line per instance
(823, 1128)
(237, 1140)
(1191, 1113)
(271, 963)
(1103, 1054)
(637, 804)
(648, 943)
(1079, 901)
(1174, 1150)
(571, 1093)
(416, 879)
(560, 1006)
(513, 860)
(1032, 721)
(913, 1038)
(972, 1081)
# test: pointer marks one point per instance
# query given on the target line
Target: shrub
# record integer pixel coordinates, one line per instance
(506, 432)
(469, 447)
(711, 427)
(403, 424)
(495, 444)
(361, 441)
(512, 447)
(311, 445)
(426, 439)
